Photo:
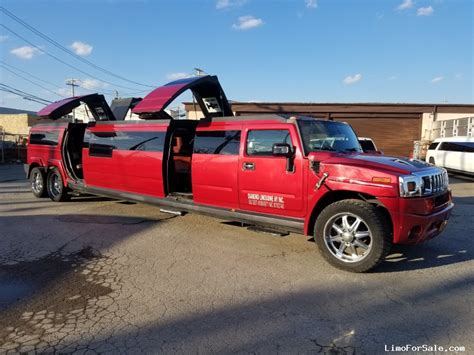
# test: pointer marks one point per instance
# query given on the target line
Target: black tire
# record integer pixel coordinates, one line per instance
(364, 245)
(38, 182)
(431, 161)
(55, 186)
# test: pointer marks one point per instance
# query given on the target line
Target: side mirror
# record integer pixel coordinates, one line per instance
(282, 150)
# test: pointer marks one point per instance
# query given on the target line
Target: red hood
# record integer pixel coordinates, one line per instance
(388, 164)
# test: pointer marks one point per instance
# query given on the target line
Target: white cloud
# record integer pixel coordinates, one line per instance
(247, 22)
(459, 75)
(349, 80)
(92, 84)
(81, 48)
(406, 4)
(25, 52)
(437, 79)
(177, 76)
(3, 38)
(425, 11)
(227, 4)
(311, 4)
(393, 77)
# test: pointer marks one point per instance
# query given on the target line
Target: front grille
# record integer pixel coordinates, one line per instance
(435, 182)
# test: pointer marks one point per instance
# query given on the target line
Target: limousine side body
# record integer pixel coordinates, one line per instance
(454, 153)
(294, 173)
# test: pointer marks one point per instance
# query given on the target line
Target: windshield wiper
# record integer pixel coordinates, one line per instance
(351, 150)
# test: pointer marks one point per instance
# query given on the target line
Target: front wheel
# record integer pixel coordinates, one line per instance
(56, 189)
(353, 235)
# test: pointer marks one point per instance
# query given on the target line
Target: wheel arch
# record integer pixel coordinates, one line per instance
(334, 196)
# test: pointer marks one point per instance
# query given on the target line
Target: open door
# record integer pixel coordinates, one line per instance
(206, 90)
(96, 104)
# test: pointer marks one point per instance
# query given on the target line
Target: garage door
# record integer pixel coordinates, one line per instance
(394, 136)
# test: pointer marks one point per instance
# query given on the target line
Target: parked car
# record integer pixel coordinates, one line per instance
(368, 145)
(298, 174)
(454, 153)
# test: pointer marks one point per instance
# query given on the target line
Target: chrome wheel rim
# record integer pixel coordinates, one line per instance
(37, 183)
(55, 185)
(348, 237)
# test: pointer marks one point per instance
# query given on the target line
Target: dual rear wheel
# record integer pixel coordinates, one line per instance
(50, 184)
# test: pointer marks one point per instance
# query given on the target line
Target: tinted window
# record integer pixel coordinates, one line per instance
(261, 142)
(217, 142)
(44, 137)
(433, 145)
(103, 143)
(467, 147)
(367, 145)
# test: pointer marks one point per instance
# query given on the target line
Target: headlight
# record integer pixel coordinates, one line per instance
(410, 185)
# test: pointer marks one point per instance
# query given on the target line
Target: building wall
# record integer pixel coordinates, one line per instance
(430, 127)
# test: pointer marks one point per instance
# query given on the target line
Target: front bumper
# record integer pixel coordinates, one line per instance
(414, 229)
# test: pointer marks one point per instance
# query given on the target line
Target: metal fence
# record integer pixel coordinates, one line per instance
(12, 147)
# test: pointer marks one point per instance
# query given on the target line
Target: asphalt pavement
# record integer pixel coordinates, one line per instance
(96, 275)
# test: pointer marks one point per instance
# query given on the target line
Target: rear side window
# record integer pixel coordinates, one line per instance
(217, 142)
(44, 137)
(261, 142)
(367, 145)
(433, 146)
(466, 147)
(103, 143)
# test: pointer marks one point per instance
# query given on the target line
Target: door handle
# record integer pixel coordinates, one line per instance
(248, 166)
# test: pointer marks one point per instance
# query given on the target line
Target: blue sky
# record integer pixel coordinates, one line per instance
(298, 50)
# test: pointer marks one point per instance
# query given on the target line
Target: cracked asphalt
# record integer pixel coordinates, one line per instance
(96, 275)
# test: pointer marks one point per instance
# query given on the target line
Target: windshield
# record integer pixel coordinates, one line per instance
(328, 135)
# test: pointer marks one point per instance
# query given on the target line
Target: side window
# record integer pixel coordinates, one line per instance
(217, 142)
(103, 143)
(260, 142)
(433, 146)
(144, 141)
(468, 147)
(44, 137)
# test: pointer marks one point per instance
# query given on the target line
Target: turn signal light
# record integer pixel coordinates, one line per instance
(382, 180)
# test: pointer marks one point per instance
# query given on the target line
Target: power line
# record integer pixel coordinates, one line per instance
(30, 81)
(62, 61)
(64, 49)
(25, 95)
(29, 74)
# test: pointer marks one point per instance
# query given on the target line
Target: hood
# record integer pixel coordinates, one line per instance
(96, 104)
(394, 165)
(206, 90)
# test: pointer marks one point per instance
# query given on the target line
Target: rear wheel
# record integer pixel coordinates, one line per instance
(432, 161)
(353, 235)
(37, 182)
(56, 189)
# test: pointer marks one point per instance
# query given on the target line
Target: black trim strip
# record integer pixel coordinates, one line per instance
(290, 224)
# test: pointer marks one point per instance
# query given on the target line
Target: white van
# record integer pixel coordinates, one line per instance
(453, 153)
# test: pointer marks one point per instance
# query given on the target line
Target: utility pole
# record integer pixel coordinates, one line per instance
(199, 72)
(72, 84)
